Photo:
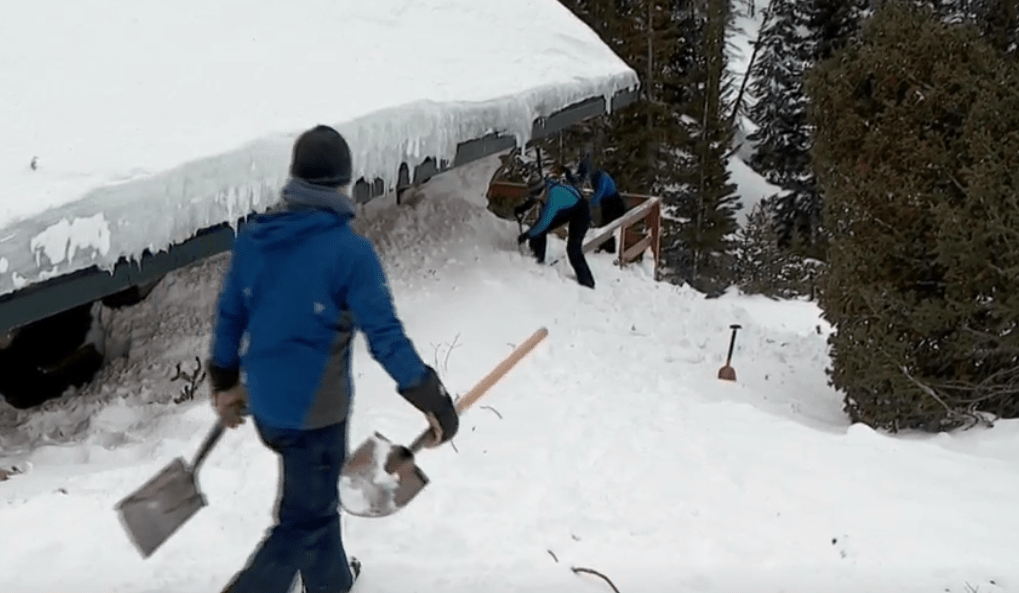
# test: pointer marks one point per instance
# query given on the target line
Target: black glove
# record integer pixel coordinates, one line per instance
(430, 397)
(222, 379)
(522, 237)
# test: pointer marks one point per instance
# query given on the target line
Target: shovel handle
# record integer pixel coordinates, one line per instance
(468, 399)
(732, 343)
(207, 444)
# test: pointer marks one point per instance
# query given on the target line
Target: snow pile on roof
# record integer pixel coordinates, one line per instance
(133, 124)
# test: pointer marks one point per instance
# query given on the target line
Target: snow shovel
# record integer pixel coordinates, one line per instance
(727, 373)
(151, 514)
(380, 477)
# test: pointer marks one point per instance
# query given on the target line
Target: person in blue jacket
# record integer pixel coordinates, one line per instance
(606, 203)
(300, 284)
(561, 204)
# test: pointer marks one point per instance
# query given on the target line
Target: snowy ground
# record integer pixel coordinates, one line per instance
(613, 446)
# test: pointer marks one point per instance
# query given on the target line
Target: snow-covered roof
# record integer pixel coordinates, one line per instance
(133, 124)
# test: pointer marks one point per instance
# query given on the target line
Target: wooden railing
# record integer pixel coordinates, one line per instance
(639, 229)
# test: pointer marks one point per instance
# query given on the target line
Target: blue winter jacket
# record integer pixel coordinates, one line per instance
(300, 284)
(561, 197)
(603, 185)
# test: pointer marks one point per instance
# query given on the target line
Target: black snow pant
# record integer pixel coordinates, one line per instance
(306, 538)
(579, 219)
(612, 208)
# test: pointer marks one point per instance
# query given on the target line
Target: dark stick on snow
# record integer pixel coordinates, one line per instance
(578, 569)
(552, 554)
(494, 410)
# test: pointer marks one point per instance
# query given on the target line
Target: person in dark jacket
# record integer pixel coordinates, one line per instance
(606, 203)
(300, 284)
(563, 172)
(561, 204)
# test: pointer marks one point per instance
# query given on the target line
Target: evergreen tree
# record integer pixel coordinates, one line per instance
(918, 153)
(833, 24)
(800, 34)
(783, 137)
(760, 261)
(999, 25)
(636, 145)
(767, 268)
(645, 140)
(997, 20)
(701, 248)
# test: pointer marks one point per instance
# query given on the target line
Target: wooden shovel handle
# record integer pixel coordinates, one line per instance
(497, 373)
(468, 399)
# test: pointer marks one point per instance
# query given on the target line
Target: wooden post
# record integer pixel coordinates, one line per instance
(655, 220)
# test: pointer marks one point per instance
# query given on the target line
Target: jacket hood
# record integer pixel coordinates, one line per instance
(306, 208)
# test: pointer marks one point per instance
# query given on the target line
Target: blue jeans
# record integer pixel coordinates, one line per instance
(306, 537)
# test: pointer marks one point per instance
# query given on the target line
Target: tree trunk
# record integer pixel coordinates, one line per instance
(750, 65)
(649, 150)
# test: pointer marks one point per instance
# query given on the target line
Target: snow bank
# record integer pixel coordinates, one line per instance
(133, 124)
(611, 446)
(751, 187)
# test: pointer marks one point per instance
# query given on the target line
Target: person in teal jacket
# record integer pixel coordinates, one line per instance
(561, 204)
(300, 284)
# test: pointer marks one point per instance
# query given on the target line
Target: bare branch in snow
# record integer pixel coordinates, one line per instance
(952, 413)
(193, 381)
(449, 349)
(578, 569)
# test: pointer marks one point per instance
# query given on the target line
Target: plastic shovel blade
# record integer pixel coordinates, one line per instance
(727, 373)
(379, 478)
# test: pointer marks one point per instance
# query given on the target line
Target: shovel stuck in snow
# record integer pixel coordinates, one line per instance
(381, 477)
(154, 512)
(727, 373)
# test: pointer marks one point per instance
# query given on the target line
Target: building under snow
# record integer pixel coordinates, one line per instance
(139, 135)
